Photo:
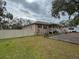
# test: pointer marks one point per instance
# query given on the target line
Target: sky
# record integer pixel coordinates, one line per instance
(34, 9)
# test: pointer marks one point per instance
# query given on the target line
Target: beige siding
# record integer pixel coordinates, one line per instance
(30, 28)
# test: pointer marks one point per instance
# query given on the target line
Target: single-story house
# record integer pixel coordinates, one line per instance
(40, 27)
(72, 28)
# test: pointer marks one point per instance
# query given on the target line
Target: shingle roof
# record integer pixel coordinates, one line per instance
(41, 22)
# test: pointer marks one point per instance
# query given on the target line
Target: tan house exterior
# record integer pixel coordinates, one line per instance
(40, 27)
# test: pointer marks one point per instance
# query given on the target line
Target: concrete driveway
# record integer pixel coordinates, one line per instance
(70, 37)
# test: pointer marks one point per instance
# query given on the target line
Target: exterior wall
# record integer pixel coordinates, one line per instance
(15, 33)
(30, 28)
(35, 28)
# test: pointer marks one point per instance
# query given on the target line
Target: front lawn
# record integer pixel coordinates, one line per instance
(37, 47)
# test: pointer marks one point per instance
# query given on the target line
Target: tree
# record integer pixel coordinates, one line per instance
(71, 22)
(9, 15)
(29, 21)
(17, 23)
(69, 6)
(4, 14)
(74, 22)
(2, 8)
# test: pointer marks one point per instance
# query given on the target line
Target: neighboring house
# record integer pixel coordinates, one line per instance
(77, 28)
(40, 27)
(72, 29)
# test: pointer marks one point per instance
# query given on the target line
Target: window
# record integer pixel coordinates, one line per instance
(71, 28)
(50, 26)
(45, 27)
(39, 26)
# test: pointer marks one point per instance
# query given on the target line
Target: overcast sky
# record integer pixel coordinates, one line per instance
(35, 9)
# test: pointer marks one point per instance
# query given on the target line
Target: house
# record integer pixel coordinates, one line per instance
(72, 28)
(40, 27)
(77, 28)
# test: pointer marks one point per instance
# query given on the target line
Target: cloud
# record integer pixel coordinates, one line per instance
(39, 9)
(34, 7)
(30, 1)
(17, 1)
(25, 11)
(37, 6)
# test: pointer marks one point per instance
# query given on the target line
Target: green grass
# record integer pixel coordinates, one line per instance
(37, 47)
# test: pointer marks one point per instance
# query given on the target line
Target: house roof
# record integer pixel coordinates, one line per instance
(41, 22)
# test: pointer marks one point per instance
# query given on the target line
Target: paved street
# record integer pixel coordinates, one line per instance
(70, 37)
